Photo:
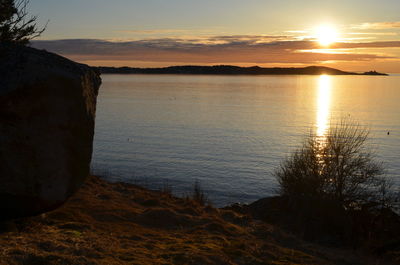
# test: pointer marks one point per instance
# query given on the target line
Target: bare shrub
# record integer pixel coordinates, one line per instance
(339, 167)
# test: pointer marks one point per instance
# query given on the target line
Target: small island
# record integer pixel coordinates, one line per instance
(232, 70)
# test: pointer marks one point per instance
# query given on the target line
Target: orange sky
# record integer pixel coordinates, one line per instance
(357, 35)
(266, 51)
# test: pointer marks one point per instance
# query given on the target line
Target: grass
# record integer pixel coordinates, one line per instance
(117, 223)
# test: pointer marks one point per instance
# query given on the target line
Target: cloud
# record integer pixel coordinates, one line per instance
(374, 33)
(378, 25)
(256, 49)
(376, 44)
(153, 31)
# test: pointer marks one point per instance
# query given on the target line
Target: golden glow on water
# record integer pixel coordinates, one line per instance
(323, 104)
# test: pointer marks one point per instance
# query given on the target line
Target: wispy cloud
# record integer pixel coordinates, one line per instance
(297, 31)
(158, 33)
(374, 33)
(153, 31)
(378, 25)
(375, 44)
(256, 49)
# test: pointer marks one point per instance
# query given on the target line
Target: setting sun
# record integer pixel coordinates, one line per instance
(326, 35)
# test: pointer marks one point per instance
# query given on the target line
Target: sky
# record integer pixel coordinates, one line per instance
(354, 35)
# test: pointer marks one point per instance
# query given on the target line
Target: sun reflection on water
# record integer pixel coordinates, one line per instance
(323, 105)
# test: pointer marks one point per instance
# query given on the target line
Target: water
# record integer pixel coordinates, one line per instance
(231, 132)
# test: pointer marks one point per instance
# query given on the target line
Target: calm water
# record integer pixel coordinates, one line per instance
(230, 132)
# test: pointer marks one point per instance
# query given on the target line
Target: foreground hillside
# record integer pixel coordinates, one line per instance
(118, 223)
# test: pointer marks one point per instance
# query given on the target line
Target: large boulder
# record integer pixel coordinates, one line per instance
(47, 114)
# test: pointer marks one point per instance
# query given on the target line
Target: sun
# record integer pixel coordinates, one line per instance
(326, 35)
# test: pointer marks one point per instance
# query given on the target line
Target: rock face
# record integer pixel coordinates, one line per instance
(47, 113)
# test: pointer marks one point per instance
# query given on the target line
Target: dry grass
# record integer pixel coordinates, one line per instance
(108, 223)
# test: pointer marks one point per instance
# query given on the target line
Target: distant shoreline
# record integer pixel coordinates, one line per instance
(232, 70)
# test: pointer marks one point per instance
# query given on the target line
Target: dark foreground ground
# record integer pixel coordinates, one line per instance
(108, 223)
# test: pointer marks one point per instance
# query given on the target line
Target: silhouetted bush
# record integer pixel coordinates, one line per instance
(15, 24)
(338, 167)
(334, 191)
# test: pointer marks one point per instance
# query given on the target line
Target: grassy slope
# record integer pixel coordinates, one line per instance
(124, 224)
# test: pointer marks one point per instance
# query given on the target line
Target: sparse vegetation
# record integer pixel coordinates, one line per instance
(198, 193)
(16, 26)
(166, 188)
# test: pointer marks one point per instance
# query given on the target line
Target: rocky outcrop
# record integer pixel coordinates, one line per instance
(47, 113)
